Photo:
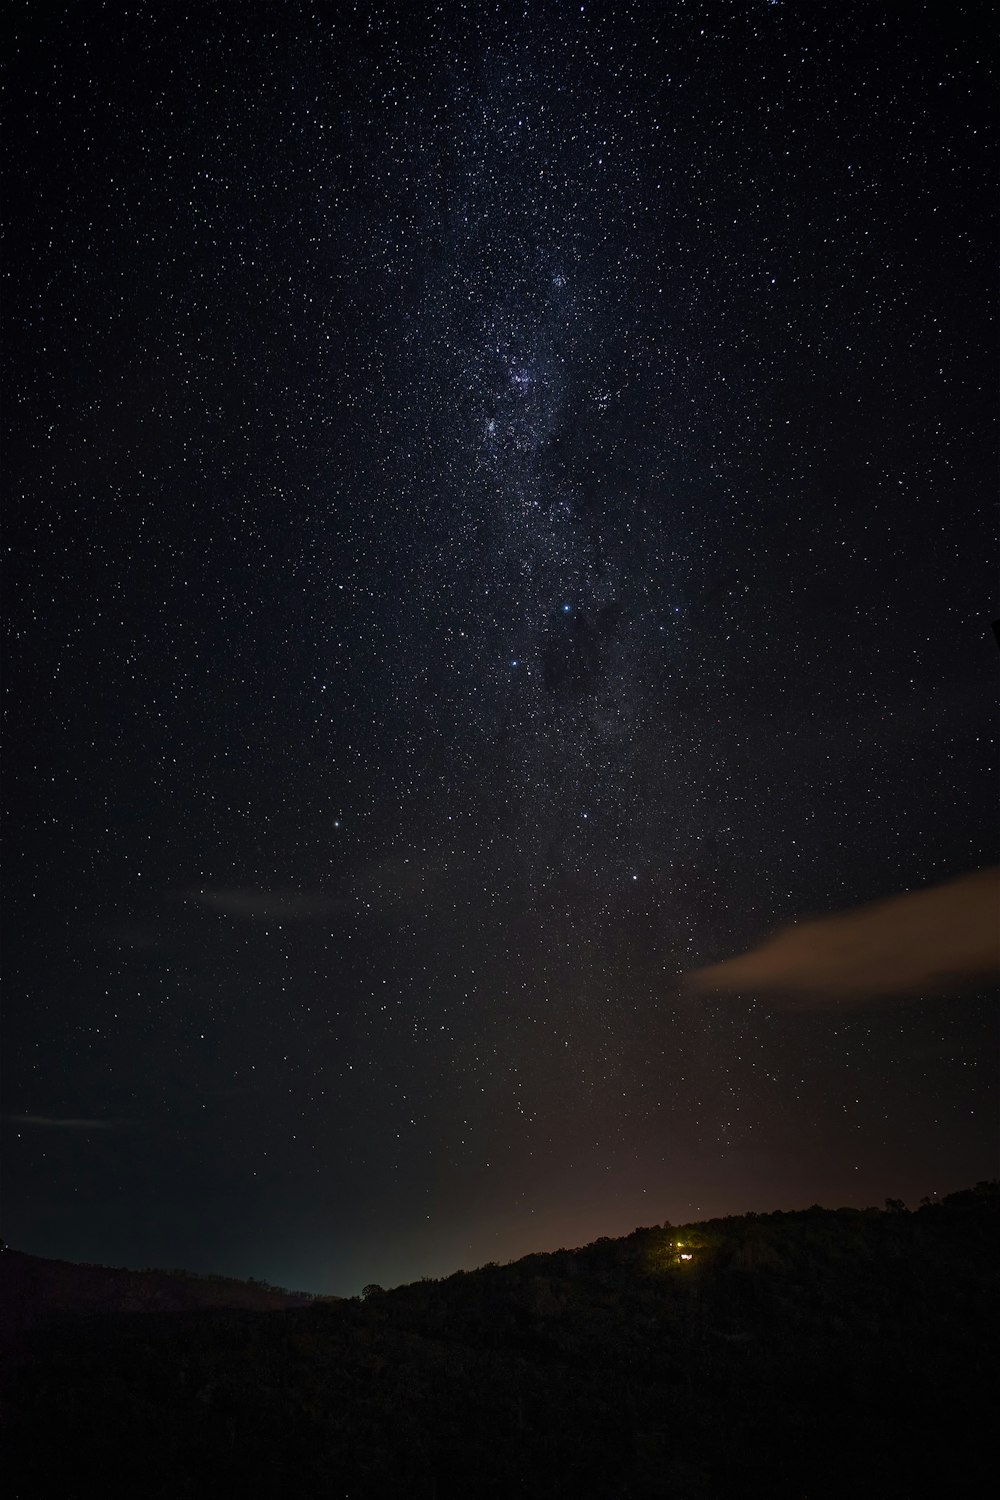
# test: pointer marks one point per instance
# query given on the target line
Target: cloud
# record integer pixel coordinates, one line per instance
(944, 938)
(271, 906)
(52, 1123)
(405, 878)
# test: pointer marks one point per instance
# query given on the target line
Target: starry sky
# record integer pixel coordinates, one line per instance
(499, 516)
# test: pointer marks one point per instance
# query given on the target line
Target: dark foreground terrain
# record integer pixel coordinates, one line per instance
(807, 1354)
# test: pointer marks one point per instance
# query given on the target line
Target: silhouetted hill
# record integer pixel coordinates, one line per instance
(801, 1354)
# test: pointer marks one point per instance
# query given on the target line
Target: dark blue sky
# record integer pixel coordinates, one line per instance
(499, 514)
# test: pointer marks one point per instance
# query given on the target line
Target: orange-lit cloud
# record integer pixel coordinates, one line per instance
(944, 938)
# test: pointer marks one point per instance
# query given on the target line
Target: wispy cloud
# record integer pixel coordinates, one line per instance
(272, 906)
(53, 1122)
(403, 878)
(944, 938)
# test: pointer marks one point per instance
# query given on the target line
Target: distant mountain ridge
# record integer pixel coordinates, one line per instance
(34, 1289)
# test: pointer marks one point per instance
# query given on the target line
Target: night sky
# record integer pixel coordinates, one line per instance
(499, 515)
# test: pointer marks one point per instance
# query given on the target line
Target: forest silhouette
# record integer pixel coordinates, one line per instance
(807, 1354)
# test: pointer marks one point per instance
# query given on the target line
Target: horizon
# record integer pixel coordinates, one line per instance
(666, 1226)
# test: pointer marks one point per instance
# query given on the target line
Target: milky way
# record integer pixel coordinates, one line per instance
(497, 523)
